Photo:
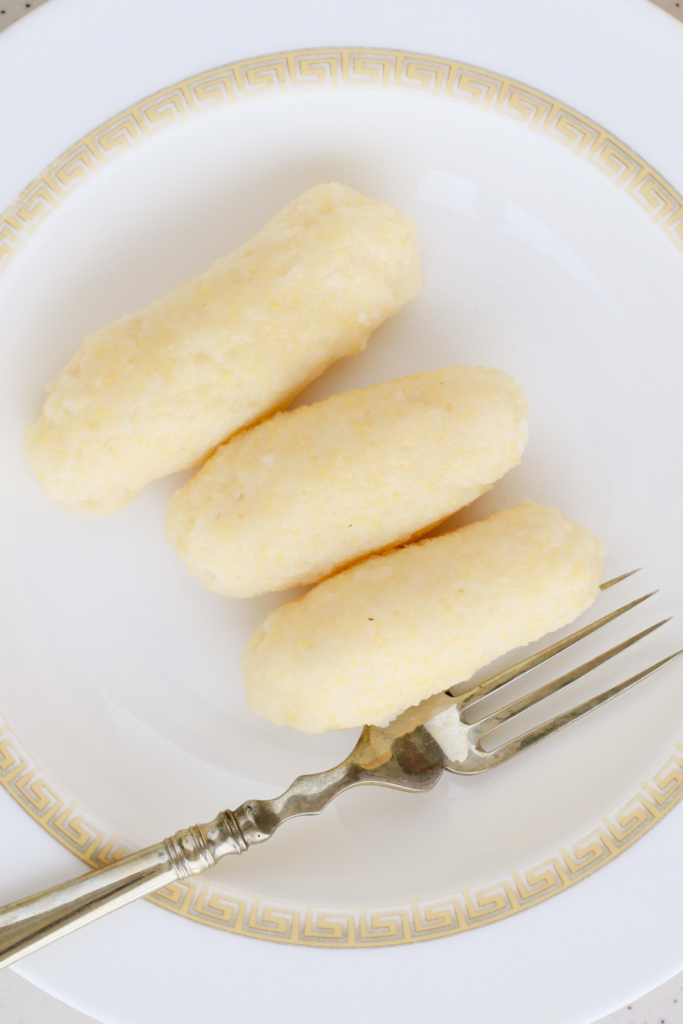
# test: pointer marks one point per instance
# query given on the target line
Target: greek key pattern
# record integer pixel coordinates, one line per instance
(242, 82)
(344, 68)
(51, 807)
(343, 927)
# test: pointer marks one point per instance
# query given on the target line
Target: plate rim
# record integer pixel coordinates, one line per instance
(183, 101)
(286, 73)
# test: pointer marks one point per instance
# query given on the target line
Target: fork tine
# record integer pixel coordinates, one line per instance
(482, 689)
(529, 700)
(617, 579)
(527, 739)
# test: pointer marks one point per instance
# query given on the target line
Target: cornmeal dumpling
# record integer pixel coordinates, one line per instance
(292, 500)
(156, 391)
(366, 644)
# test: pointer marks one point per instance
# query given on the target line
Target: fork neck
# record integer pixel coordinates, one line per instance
(309, 794)
(413, 763)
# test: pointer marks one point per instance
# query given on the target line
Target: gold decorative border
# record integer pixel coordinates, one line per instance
(233, 84)
(339, 68)
(344, 927)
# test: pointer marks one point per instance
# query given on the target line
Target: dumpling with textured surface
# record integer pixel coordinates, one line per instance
(299, 496)
(155, 392)
(383, 635)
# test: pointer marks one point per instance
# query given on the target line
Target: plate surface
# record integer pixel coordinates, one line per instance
(536, 263)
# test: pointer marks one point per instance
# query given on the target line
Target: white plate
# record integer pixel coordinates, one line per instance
(121, 690)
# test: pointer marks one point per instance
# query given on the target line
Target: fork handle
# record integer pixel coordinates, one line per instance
(34, 922)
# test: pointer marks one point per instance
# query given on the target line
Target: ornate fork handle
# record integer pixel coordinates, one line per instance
(34, 922)
(38, 920)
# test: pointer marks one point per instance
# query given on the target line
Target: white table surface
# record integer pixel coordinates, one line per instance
(23, 1003)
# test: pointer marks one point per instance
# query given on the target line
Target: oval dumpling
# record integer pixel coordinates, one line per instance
(371, 641)
(309, 491)
(156, 391)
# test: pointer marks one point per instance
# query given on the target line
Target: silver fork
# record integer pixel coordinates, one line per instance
(411, 754)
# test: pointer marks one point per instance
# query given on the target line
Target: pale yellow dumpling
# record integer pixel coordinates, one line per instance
(381, 636)
(292, 500)
(157, 391)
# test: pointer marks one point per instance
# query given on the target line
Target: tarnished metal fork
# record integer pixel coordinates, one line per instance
(411, 754)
